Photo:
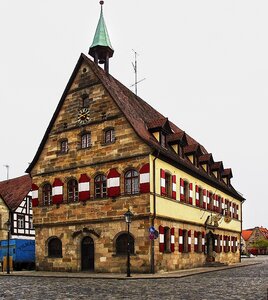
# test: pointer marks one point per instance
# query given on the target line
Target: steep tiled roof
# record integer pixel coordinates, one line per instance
(264, 231)
(174, 137)
(139, 114)
(14, 190)
(217, 166)
(190, 148)
(206, 158)
(246, 234)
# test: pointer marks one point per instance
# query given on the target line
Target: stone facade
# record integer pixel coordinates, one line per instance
(4, 213)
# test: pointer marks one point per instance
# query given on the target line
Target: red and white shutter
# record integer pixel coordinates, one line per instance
(216, 244)
(223, 206)
(180, 240)
(195, 241)
(35, 195)
(197, 201)
(237, 214)
(161, 239)
(57, 191)
(190, 193)
(235, 244)
(145, 179)
(203, 241)
(204, 198)
(221, 248)
(182, 189)
(163, 182)
(229, 243)
(189, 240)
(224, 243)
(215, 197)
(174, 187)
(84, 187)
(113, 183)
(172, 239)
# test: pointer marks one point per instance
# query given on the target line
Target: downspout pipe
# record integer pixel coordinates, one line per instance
(154, 215)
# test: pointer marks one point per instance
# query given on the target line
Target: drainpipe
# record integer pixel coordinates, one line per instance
(154, 215)
(240, 233)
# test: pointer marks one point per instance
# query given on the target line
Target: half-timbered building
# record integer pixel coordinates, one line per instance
(106, 151)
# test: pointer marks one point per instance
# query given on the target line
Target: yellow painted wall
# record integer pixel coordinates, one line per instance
(180, 211)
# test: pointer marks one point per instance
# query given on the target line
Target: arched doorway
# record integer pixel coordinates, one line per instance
(210, 247)
(87, 254)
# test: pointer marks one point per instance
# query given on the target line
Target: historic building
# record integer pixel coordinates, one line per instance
(106, 151)
(256, 240)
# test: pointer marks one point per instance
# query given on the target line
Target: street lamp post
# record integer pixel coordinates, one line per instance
(128, 216)
(8, 223)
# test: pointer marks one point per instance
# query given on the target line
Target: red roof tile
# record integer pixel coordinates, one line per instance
(13, 191)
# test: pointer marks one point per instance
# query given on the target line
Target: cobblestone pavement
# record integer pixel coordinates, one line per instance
(248, 283)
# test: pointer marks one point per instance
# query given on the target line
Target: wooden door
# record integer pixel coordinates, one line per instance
(87, 254)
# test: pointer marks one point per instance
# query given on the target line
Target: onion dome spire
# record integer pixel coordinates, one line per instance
(101, 49)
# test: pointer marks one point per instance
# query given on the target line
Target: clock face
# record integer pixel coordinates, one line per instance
(83, 116)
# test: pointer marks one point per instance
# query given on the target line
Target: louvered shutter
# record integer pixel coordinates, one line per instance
(204, 198)
(162, 182)
(189, 240)
(35, 201)
(174, 195)
(57, 191)
(145, 179)
(113, 183)
(190, 193)
(182, 190)
(203, 241)
(84, 187)
(195, 241)
(172, 239)
(180, 240)
(197, 201)
(161, 239)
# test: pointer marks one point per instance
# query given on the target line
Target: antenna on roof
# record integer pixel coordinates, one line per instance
(135, 67)
(7, 167)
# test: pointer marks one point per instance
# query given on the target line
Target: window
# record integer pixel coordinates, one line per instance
(185, 240)
(131, 182)
(47, 194)
(72, 189)
(64, 146)
(163, 139)
(86, 140)
(109, 136)
(54, 247)
(85, 101)
(20, 221)
(100, 186)
(121, 244)
(167, 239)
(168, 184)
(186, 191)
(31, 223)
(210, 203)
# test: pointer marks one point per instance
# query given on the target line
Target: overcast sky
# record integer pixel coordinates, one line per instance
(205, 64)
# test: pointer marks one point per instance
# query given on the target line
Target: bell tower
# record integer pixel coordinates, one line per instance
(101, 49)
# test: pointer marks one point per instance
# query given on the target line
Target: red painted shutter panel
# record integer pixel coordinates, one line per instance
(174, 187)
(84, 187)
(35, 189)
(195, 241)
(161, 239)
(57, 191)
(182, 190)
(203, 241)
(145, 179)
(113, 183)
(190, 193)
(197, 199)
(162, 182)
(180, 240)
(189, 240)
(172, 239)
(204, 198)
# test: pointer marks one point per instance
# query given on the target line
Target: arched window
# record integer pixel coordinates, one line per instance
(72, 190)
(54, 247)
(121, 244)
(109, 136)
(47, 194)
(100, 186)
(86, 140)
(131, 182)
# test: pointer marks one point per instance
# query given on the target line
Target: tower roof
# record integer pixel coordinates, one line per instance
(101, 37)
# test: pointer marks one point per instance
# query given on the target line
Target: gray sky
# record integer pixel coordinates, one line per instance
(205, 64)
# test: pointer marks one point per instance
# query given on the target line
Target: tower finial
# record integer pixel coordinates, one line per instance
(101, 49)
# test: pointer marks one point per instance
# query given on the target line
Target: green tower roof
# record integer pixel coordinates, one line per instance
(101, 37)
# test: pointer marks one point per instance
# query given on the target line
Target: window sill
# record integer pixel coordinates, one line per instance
(108, 143)
(123, 255)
